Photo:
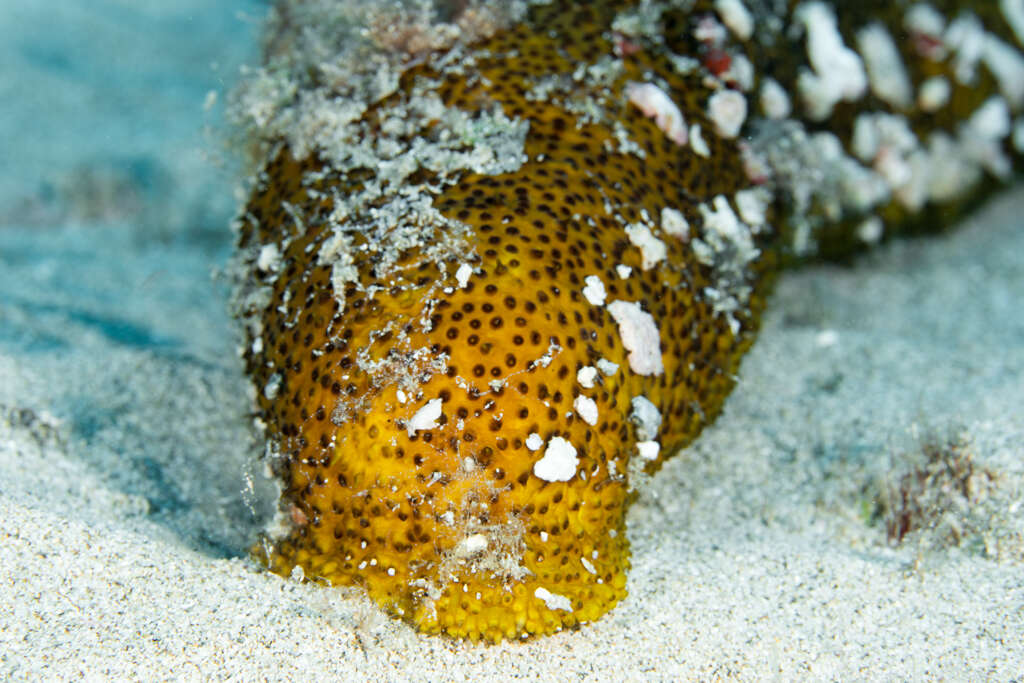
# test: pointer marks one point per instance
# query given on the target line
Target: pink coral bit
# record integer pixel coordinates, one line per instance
(656, 104)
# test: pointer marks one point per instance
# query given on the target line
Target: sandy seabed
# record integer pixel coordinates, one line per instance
(128, 493)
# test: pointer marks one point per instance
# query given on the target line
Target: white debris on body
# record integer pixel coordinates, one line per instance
(394, 212)
(674, 223)
(586, 408)
(548, 356)
(774, 99)
(534, 441)
(887, 74)
(933, 94)
(425, 417)
(869, 231)
(698, 143)
(723, 232)
(646, 416)
(1007, 65)
(588, 566)
(838, 73)
(813, 172)
(740, 72)
(559, 461)
(272, 387)
(982, 136)
(946, 172)
(885, 140)
(639, 333)
(727, 246)
(709, 30)
(652, 250)
(623, 271)
(656, 104)
(857, 189)
(966, 37)
(553, 601)
(727, 109)
(923, 19)
(752, 204)
(973, 45)
(594, 290)
(648, 450)
(1013, 12)
(470, 546)
(587, 376)
(269, 259)
(462, 275)
(992, 119)
(607, 367)
(737, 17)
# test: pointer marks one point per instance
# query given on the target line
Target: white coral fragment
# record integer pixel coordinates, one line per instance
(697, 141)
(640, 336)
(838, 73)
(586, 408)
(559, 461)
(656, 104)
(737, 17)
(723, 233)
(462, 275)
(925, 20)
(1007, 65)
(646, 416)
(752, 204)
(982, 135)
(966, 37)
(593, 290)
(727, 109)
(933, 94)
(587, 376)
(425, 417)
(470, 546)
(674, 223)
(607, 367)
(269, 259)
(887, 74)
(1013, 12)
(648, 450)
(553, 601)
(774, 100)
(870, 230)
(652, 250)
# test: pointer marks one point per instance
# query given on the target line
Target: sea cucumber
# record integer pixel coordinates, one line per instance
(482, 290)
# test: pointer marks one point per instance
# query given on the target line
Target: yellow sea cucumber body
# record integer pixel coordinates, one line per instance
(485, 279)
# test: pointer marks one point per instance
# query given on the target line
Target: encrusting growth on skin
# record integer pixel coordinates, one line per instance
(496, 260)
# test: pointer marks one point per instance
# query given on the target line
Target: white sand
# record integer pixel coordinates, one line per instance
(125, 510)
(121, 493)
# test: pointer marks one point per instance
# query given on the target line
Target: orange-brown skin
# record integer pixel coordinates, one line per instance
(364, 490)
